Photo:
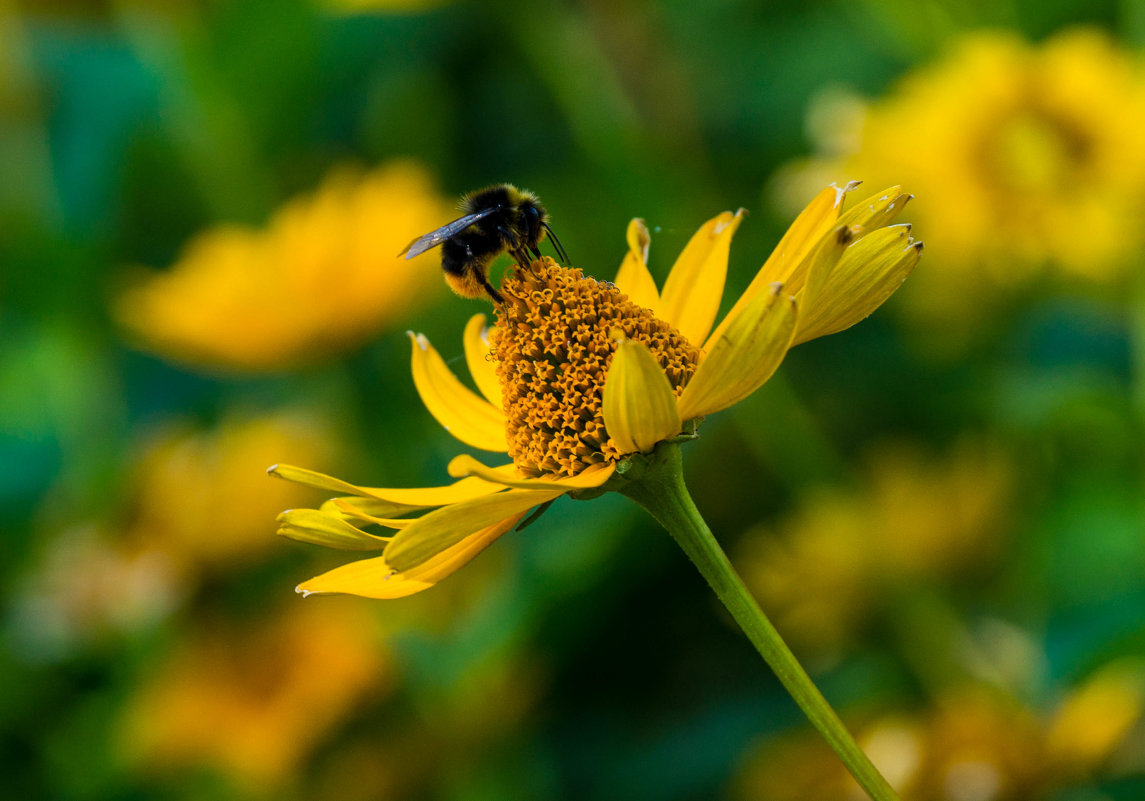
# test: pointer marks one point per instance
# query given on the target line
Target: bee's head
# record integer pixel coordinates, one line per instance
(533, 218)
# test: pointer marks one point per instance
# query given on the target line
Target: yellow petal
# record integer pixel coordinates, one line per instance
(692, 293)
(639, 404)
(589, 478)
(481, 366)
(744, 357)
(786, 262)
(876, 211)
(465, 415)
(411, 498)
(342, 509)
(443, 528)
(356, 508)
(310, 525)
(633, 278)
(375, 578)
(868, 273)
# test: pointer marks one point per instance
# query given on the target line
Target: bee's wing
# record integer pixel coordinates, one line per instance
(435, 238)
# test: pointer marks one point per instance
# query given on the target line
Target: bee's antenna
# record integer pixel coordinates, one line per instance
(564, 257)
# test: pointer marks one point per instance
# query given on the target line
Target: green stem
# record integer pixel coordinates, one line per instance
(660, 489)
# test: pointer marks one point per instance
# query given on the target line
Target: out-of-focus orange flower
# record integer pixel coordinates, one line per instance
(1026, 156)
(323, 275)
(202, 497)
(915, 519)
(253, 704)
(972, 743)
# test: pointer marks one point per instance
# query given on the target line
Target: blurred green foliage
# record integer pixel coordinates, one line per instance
(583, 659)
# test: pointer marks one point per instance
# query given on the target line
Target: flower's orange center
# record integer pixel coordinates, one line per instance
(553, 344)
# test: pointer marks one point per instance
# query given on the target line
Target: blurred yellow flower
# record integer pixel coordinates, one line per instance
(827, 565)
(88, 584)
(199, 497)
(1028, 157)
(196, 504)
(971, 743)
(253, 703)
(579, 374)
(1094, 719)
(321, 276)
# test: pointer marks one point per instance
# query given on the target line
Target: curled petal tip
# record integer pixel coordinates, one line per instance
(419, 339)
(272, 470)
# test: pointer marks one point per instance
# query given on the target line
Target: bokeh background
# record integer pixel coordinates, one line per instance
(942, 508)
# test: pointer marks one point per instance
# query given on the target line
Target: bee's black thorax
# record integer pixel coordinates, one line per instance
(500, 218)
(516, 225)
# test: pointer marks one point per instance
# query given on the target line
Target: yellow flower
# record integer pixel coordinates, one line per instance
(971, 742)
(323, 275)
(579, 374)
(185, 476)
(825, 568)
(254, 703)
(1028, 157)
(128, 572)
(1098, 716)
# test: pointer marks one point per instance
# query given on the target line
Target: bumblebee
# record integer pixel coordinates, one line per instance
(497, 220)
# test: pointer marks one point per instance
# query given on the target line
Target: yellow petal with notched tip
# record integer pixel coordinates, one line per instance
(876, 211)
(633, 278)
(418, 497)
(589, 478)
(465, 415)
(313, 526)
(375, 578)
(820, 263)
(787, 263)
(692, 293)
(443, 528)
(744, 357)
(481, 366)
(639, 404)
(868, 272)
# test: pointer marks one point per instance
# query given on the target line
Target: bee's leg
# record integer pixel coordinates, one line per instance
(493, 293)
